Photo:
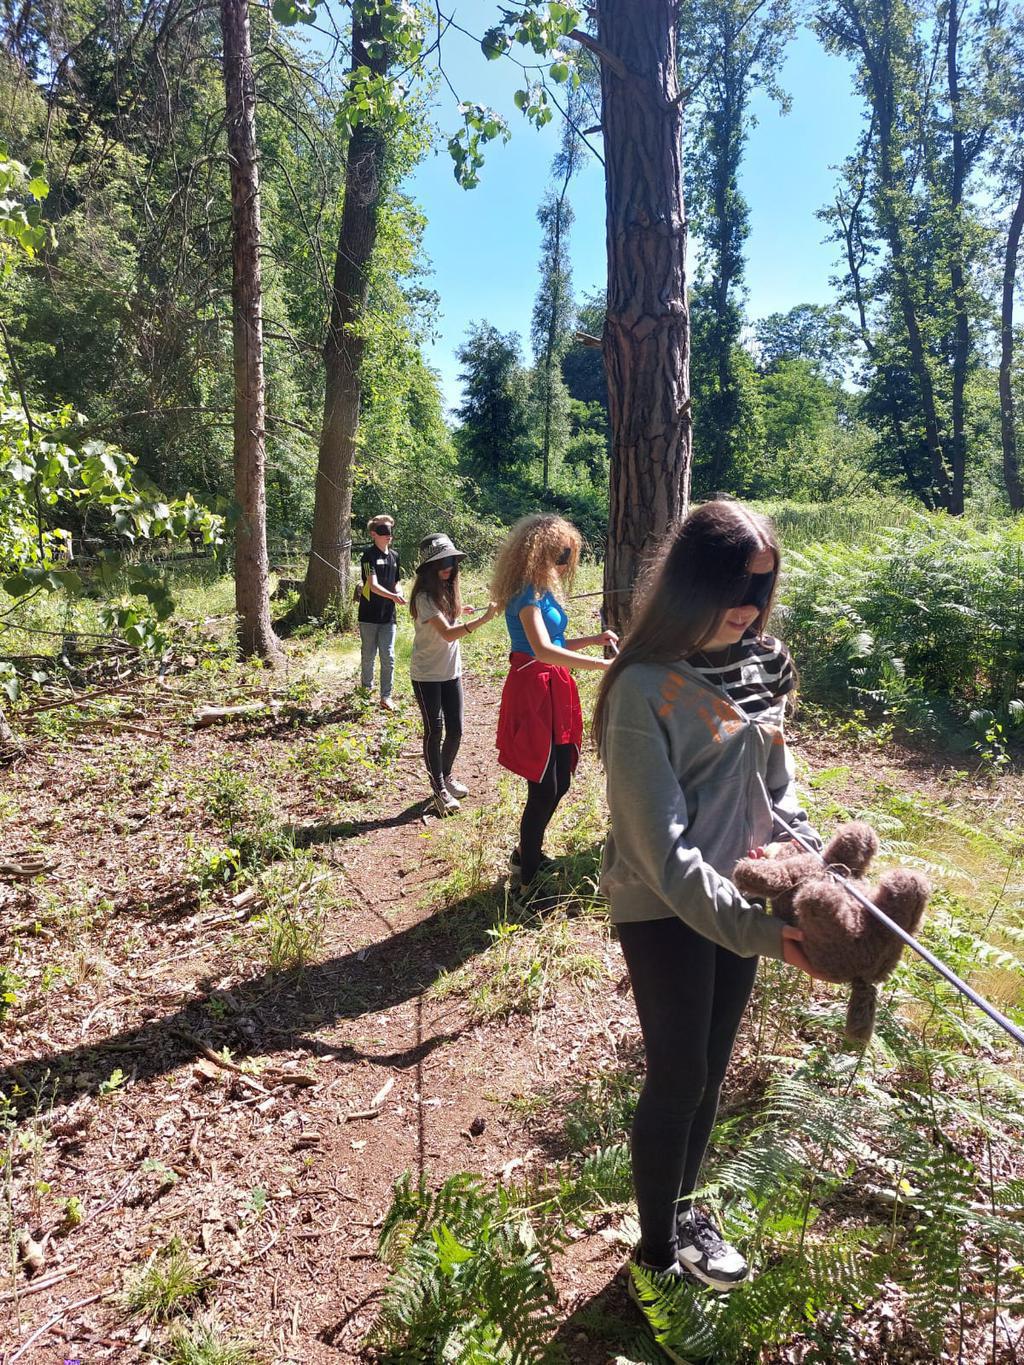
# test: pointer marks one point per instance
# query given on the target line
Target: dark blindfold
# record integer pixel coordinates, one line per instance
(754, 591)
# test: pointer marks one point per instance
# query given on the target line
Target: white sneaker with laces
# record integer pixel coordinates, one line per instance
(453, 785)
(705, 1253)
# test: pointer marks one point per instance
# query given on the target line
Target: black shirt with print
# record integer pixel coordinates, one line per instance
(380, 611)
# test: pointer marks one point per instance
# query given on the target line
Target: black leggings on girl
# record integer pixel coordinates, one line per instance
(690, 996)
(441, 709)
(541, 802)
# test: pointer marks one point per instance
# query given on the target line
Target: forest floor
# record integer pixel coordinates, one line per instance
(244, 1076)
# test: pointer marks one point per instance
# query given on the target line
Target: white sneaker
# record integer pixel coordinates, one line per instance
(705, 1253)
(445, 803)
(455, 787)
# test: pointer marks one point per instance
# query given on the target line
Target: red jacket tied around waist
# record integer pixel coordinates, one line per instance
(540, 707)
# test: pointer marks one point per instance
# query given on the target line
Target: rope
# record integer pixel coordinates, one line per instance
(946, 972)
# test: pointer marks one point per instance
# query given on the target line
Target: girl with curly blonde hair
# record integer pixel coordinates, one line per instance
(540, 723)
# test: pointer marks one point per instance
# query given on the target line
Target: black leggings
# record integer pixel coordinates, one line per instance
(441, 709)
(690, 996)
(541, 803)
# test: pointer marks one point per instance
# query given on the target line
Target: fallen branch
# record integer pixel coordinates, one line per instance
(110, 723)
(375, 1104)
(57, 1317)
(204, 1048)
(22, 866)
(213, 715)
(43, 1282)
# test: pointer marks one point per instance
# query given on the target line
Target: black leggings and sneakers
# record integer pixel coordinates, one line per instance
(441, 708)
(690, 996)
(541, 803)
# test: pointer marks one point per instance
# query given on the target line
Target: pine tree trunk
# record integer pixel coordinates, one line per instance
(252, 569)
(328, 570)
(647, 333)
(1011, 462)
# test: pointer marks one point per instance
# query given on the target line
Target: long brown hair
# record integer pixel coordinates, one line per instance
(694, 579)
(446, 594)
(529, 557)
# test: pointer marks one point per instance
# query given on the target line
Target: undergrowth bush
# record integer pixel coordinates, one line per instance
(925, 619)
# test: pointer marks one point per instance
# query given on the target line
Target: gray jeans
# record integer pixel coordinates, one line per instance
(376, 640)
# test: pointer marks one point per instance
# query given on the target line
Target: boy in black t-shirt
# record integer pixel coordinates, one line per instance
(380, 570)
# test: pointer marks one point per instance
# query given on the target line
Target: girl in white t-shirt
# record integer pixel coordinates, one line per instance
(435, 604)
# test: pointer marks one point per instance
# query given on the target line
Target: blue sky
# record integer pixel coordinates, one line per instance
(483, 244)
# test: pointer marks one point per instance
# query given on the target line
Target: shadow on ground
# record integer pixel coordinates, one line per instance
(605, 1326)
(281, 1007)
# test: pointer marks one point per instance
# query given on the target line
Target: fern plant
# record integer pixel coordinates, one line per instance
(471, 1278)
(796, 1289)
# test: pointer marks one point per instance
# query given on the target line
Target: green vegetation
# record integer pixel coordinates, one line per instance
(925, 620)
(206, 1341)
(172, 1282)
(877, 1194)
(289, 928)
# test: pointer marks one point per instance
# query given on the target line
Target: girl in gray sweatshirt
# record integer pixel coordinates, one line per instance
(689, 725)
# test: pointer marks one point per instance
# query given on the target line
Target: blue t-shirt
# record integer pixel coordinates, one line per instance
(552, 612)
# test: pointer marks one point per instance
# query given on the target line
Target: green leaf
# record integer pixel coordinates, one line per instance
(17, 585)
(493, 43)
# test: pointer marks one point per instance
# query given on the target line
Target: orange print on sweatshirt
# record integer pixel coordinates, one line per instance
(715, 712)
(720, 718)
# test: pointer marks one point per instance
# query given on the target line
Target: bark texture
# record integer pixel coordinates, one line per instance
(328, 569)
(647, 333)
(1011, 460)
(252, 569)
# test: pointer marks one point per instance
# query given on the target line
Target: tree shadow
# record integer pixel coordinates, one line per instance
(280, 1009)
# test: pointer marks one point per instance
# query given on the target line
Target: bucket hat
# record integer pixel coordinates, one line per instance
(438, 547)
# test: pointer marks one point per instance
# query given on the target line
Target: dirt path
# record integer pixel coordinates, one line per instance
(277, 1183)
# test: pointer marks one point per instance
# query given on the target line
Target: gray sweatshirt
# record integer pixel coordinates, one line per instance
(692, 786)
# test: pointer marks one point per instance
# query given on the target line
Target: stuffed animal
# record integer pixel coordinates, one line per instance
(841, 938)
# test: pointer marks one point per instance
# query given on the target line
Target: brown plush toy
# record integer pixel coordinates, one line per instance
(841, 938)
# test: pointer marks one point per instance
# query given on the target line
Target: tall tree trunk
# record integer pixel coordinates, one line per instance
(1011, 463)
(328, 569)
(552, 338)
(961, 322)
(647, 332)
(892, 228)
(252, 569)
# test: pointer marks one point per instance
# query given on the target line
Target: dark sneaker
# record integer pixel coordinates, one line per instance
(705, 1253)
(444, 803)
(456, 787)
(672, 1272)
